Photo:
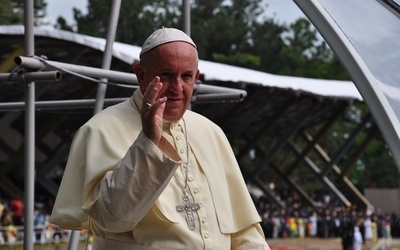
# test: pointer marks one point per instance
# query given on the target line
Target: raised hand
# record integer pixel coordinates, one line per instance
(153, 110)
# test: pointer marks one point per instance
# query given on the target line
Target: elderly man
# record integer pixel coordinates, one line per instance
(150, 174)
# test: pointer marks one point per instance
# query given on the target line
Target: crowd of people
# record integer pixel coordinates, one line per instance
(12, 222)
(327, 219)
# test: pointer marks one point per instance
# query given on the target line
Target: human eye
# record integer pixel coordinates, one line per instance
(165, 76)
(187, 77)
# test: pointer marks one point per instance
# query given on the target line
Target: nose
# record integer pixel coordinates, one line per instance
(176, 85)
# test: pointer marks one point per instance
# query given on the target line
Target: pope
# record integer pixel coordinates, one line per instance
(148, 173)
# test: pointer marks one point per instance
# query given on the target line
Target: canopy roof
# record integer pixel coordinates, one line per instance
(211, 71)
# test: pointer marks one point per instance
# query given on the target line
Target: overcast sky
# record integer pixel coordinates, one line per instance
(283, 10)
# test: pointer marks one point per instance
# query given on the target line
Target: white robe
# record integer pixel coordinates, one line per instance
(367, 229)
(357, 242)
(111, 147)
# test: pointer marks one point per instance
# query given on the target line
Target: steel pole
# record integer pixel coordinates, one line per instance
(186, 16)
(87, 103)
(29, 171)
(38, 64)
(48, 76)
(102, 87)
(107, 56)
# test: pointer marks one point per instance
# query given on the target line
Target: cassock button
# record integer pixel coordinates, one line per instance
(196, 191)
(190, 179)
(182, 151)
(204, 220)
(177, 137)
(206, 235)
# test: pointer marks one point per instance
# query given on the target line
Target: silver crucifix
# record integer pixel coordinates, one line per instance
(188, 208)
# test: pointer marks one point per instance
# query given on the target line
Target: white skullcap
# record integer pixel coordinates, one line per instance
(165, 35)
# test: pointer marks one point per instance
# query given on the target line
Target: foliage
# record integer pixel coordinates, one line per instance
(381, 171)
(137, 18)
(267, 43)
(62, 24)
(238, 59)
(12, 12)
(308, 55)
(375, 168)
(223, 27)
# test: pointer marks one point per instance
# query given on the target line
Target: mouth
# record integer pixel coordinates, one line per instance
(174, 100)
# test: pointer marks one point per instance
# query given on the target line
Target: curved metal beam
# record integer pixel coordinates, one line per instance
(363, 78)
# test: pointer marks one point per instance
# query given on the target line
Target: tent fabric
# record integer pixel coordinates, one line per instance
(211, 71)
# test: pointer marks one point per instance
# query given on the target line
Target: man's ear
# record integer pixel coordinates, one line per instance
(139, 72)
(197, 74)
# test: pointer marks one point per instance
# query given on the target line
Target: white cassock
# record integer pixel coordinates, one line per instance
(128, 189)
(357, 243)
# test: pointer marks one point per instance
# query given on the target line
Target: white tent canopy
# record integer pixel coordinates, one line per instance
(210, 70)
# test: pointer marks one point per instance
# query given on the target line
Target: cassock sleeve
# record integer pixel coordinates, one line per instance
(128, 191)
(250, 238)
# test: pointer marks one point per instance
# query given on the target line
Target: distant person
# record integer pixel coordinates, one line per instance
(2, 208)
(314, 224)
(347, 232)
(358, 240)
(276, 220)
(17, 209)
(368, 228)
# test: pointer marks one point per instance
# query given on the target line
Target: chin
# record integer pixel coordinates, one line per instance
(172, 118)
(173, 114)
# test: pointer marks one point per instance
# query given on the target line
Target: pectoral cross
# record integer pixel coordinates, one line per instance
(188, 208)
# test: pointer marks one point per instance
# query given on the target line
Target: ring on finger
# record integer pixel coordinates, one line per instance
(148, 105)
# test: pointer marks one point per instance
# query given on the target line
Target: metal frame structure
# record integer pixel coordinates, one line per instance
(30, 135)
(361, 73)
(284, 128)
(284, 141)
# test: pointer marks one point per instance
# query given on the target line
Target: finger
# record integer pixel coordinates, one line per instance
(156, 105)
(152, 120)
(152, 101)
(153, 90)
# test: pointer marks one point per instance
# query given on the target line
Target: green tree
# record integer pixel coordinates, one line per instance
(380, 170)
(137, 18)
(223, 30)
(307, 55)
(238, 59)
(12, 12)
(63, 25)
(267, 43)
(376, 167)
(224, 27)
